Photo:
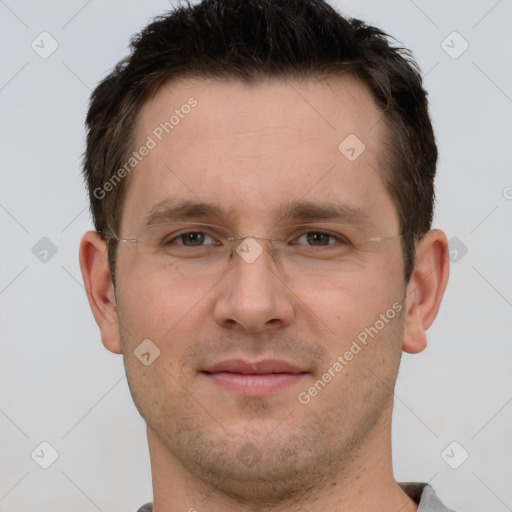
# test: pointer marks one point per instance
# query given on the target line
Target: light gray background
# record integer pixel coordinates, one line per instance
(57, 382)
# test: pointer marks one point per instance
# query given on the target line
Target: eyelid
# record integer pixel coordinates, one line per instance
(300, 231)
(223, 231)
(179, 234)
(337, 241)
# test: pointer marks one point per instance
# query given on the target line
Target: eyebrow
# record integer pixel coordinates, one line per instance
(337, 212)
(172, 210)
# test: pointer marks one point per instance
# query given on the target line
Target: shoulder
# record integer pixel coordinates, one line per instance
(425, 496)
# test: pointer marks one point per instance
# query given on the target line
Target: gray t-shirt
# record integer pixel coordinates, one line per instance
(423, 494)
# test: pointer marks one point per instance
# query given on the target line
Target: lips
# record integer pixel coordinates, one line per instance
(254, 368)
(254, 379)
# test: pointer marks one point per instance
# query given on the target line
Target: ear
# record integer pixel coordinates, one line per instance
(99, 288)
(425, 289)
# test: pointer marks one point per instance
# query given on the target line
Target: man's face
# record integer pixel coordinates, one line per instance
(253, 150)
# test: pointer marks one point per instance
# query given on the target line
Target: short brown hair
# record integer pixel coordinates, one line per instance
(251, 39)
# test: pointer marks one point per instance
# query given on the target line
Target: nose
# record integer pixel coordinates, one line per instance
(253, 296)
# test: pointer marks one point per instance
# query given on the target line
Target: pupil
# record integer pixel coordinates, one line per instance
(316, 237)
(195, 237)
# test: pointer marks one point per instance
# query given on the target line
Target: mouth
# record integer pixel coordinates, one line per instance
(254, 379)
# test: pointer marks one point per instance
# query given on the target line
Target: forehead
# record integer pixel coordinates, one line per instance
(254, 147)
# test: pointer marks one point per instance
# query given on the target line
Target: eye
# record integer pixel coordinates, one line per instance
(190, 239)
(321, 239)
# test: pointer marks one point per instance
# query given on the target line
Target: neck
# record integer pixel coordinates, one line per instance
(362, 481)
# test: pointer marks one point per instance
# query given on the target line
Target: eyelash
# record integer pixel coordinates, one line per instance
(338, 238)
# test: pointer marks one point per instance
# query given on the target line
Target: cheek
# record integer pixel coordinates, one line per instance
(155, 305)
(355, 301)
(165, 307)
(367, 341)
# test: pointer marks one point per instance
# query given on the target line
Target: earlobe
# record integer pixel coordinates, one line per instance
(425, 289)
(99, 289)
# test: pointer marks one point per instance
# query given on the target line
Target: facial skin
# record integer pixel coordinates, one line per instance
(252, 149)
